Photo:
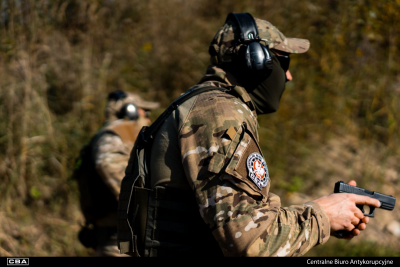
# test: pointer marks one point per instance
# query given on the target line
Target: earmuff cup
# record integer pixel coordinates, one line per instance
(128, 111)
(255, 57)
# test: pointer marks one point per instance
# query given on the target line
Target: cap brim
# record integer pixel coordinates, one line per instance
(293, 45)
(148, 105)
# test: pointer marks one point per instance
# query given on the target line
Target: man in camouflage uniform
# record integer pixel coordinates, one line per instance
(213, 151)
(125, 114)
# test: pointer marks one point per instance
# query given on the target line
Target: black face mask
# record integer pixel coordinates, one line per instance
(265, 89)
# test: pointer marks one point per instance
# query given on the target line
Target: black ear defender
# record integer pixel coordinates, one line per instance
(128, 111)
(252, 54)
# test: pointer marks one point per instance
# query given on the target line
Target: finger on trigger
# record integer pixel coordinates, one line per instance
(364, 200)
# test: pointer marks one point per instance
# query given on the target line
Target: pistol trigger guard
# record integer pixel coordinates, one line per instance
(371, 211)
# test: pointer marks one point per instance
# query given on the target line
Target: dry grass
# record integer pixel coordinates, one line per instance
(59, 59)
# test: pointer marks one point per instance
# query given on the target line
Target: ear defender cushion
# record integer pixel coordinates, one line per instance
(268, 57)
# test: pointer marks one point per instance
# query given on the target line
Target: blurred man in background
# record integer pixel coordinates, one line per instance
(101, 166)
(209, 181)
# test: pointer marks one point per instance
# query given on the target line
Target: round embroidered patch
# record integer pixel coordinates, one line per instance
(258, 171)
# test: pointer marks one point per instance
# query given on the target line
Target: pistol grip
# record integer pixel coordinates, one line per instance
(341, 234)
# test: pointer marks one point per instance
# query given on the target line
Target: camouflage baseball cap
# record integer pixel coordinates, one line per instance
(222, 46)
(118, 99)
(140, 102)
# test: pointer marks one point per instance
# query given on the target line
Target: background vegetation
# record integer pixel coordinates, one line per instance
(59, 59)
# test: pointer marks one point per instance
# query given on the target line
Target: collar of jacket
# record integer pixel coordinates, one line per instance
(218, 77)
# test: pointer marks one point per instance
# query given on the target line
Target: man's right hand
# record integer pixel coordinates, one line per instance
(343, 213)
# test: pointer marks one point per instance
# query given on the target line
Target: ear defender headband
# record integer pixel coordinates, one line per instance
(252, 54)
(116, 95)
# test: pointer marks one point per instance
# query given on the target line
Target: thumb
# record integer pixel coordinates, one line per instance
(352, 183)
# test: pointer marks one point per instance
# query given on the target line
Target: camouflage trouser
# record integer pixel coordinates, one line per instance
(107, 243)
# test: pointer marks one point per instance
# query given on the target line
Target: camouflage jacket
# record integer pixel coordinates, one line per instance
(112, 148)
(210, 145)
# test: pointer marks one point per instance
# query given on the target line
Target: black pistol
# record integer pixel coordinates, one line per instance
(387, 202)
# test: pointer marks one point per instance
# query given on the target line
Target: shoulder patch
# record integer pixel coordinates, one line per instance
(257, 170)
(231, 132)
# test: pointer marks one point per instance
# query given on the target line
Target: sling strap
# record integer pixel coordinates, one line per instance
(147, 132)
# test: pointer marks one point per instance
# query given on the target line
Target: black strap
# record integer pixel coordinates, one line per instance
(147, 132)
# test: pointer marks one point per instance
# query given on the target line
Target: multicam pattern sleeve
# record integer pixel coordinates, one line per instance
(218, 139)
(111, 159)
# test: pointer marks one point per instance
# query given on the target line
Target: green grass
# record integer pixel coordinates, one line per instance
(343, 248)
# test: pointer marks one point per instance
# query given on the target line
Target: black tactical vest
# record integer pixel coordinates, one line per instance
(162, 221)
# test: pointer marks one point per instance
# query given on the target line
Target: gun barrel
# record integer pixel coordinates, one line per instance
(387, 202)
